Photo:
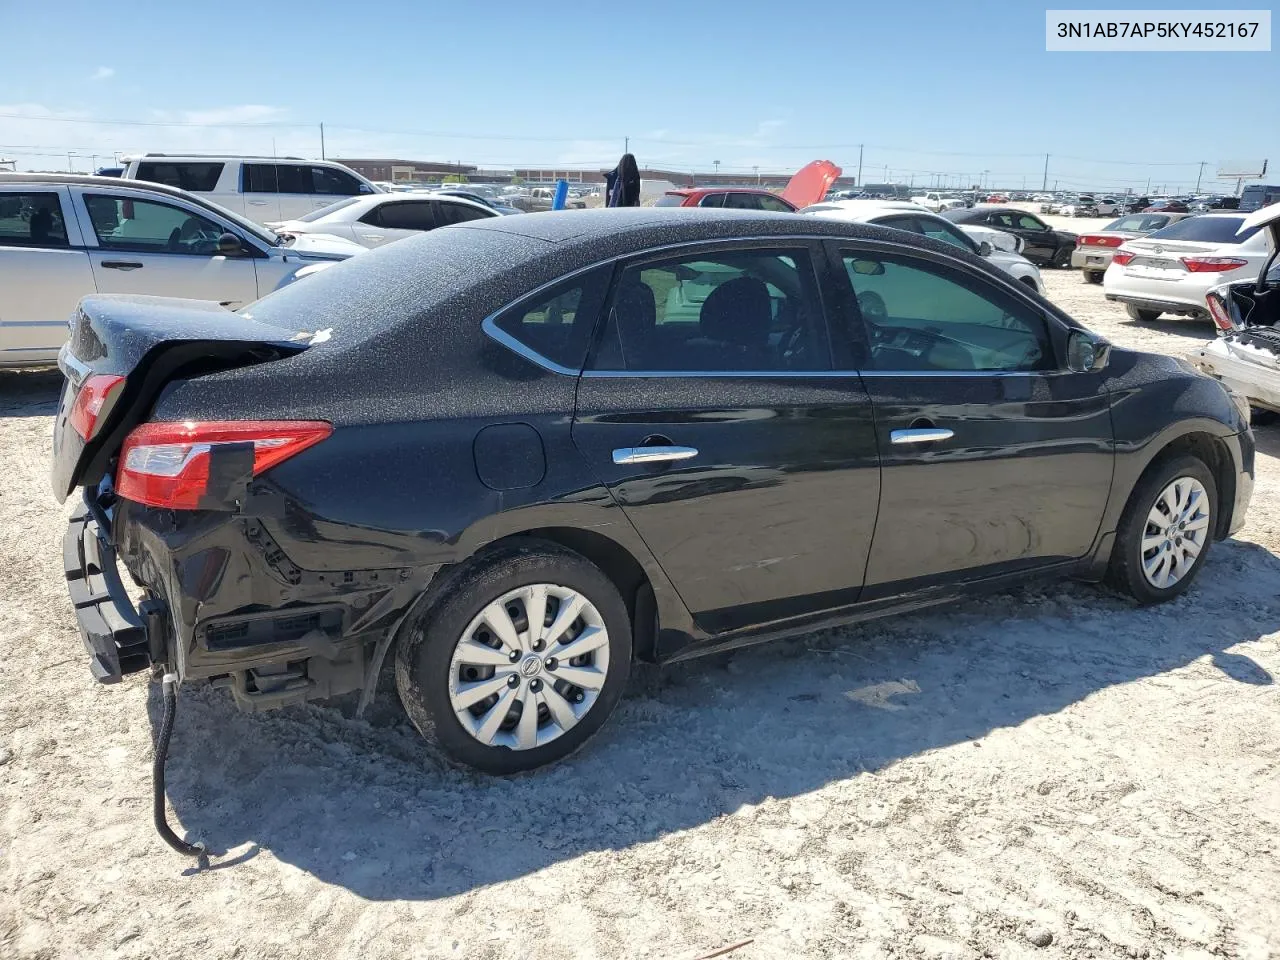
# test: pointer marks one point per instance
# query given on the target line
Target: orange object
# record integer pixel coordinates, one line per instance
(811, 183)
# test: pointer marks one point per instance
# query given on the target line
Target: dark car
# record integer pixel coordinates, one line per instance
(516, 454)
(1167, 206)
(1044, 245)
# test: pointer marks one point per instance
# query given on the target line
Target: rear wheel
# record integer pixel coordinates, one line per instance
(523, 660)
(1093, 276)
(1166, 530)
(1143, 316)
(1262, 417)
(1062, 259)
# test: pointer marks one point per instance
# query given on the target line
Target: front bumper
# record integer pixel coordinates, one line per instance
(115, 634)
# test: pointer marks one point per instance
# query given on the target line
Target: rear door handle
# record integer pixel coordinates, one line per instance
(653, 454)
(257, 203)
(921, 435)
(121, 265)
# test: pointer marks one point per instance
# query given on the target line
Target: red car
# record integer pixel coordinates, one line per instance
(735, 198)
(809, 185)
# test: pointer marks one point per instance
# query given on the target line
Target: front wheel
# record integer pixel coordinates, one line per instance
(1142, 316)
(523, 660)
(1166, 530)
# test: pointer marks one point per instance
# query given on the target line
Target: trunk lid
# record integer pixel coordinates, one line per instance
(147, 341)
(810, 183)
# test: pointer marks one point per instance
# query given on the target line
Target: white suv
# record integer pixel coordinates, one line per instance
(264, 189)
(63, 237)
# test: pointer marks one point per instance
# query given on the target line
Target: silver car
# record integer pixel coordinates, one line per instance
(63, 237)
(1094, 250)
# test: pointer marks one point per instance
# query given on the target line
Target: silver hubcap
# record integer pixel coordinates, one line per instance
(529, 666)
(1177, 530)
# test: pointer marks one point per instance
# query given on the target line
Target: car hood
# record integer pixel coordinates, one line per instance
(1005, 259)
(810, 183)
(320, 246)
(1266, 216)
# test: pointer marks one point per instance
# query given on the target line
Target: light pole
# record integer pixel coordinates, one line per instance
(716, 163)
(756, 171)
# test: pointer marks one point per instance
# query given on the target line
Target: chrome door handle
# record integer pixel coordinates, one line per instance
(921, 435)
(653, 454)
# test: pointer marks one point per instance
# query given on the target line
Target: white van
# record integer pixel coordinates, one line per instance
(264, 189)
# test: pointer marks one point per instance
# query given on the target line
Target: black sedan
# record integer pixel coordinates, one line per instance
(1044, 245)
(517, 454)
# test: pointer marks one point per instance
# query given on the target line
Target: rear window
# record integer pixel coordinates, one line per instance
(1139, 223)
(200, 177)
(31, 220)
(1205, 229)
(670, 200)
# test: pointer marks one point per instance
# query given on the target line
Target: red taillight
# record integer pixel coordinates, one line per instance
(1213, 264)
(97, 395)
(1123, 258)
(1218, 313)
(1090, 240)
(168, 464)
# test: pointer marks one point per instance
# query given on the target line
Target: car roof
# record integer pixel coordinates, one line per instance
(692, 191)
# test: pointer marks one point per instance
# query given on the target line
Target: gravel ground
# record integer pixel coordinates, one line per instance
(1050, 772)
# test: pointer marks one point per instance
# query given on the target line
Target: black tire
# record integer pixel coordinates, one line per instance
(1062, 258)
(1142, 316)
(1260, 417)
(1125, 572)
(427, 643)
(1093, 276)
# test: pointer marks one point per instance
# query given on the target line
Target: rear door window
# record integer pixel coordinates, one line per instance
(402, 215)
(742, 201)
(722, 311)
(774, 204)
(334, 182)
(260, 178)
(712, 200)
(198, 177)
(31, 220)
(447, 213)
(294, 178)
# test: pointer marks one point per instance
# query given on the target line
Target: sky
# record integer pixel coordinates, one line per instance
(936, 92)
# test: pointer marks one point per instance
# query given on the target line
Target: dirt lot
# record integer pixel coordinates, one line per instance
(1051, 772)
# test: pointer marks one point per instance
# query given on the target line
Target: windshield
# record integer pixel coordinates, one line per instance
(325, 211)
(1208, 229)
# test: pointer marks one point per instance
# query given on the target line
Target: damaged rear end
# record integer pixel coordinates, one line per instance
(1246, 316)
(187, 507)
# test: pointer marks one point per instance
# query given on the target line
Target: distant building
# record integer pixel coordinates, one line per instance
(412, 170)
(10, 165)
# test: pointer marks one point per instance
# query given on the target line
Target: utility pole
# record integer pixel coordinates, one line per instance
(322, 141)
(859, 166)
(1045, 183)
(756, 171)
(716, 163)
(1147, 192)
(69, 170)
(1199, 175)
(626, 144)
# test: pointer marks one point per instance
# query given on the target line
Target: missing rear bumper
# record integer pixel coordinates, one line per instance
(115, 634)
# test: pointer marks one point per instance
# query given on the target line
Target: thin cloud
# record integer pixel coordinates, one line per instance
(103, 73)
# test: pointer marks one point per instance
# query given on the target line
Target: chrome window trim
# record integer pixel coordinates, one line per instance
(490, 323)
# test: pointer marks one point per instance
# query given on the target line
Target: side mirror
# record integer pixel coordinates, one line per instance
(984, 249)
(365, 188)
(229, 245)
(1086, 351)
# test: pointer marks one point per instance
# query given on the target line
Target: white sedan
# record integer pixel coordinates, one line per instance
(1171, 270)
(63, 237)
(377, 220)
